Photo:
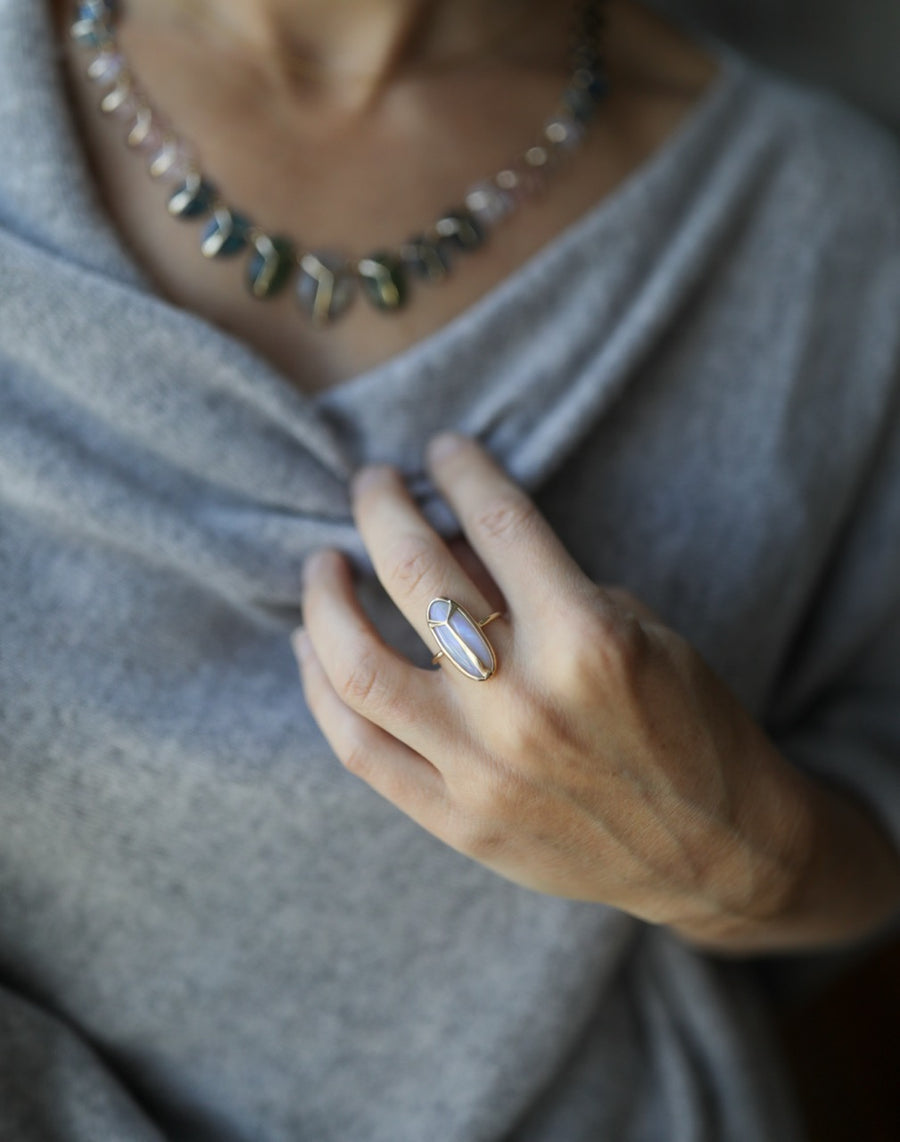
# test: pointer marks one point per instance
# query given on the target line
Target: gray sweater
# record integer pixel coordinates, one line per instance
(210, 932)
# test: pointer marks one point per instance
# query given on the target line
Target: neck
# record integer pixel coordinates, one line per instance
(354, 46)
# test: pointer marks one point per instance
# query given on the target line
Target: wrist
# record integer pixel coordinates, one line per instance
(761, 876)
(819, 871)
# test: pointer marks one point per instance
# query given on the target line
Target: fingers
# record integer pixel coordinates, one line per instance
(369, 677)
(369, 752)
(514, 541)
(411, 560)
(477, 572)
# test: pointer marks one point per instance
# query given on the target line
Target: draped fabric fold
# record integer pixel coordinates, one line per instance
(209, 932)
(203, 420)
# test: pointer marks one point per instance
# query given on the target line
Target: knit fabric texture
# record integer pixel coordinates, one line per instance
(209, 931)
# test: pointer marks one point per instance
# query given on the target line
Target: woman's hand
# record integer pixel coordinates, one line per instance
(602, 761)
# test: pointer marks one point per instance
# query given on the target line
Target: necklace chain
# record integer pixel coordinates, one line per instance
(326, 282)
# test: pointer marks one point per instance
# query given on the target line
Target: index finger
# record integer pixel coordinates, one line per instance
(504, 527)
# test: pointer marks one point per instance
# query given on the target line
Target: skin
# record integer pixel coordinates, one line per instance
(621, 771)
(603, 761)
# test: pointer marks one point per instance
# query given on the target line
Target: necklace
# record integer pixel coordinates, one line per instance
(326, 282)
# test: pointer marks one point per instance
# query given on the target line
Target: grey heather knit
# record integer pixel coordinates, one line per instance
(208, 929)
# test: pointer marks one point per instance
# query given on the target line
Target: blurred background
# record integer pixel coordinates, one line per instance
(850, 45)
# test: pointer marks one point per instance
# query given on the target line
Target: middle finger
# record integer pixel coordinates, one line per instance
(412, 562)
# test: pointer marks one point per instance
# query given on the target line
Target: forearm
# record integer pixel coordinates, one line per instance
(831, 877)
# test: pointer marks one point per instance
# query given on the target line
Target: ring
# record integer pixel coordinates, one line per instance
(461, 639)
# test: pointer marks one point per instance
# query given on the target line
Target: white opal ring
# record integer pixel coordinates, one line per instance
(461, 639)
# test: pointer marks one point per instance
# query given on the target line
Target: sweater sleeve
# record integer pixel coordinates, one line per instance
(836, 709)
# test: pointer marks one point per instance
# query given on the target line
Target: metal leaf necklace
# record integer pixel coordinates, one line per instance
(325, 282)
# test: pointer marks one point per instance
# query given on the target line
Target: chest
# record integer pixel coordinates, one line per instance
(351, 186)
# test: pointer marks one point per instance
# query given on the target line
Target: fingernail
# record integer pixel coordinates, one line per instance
(445, 445)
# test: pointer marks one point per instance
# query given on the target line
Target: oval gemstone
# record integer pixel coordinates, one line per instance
(225, 234)
(120, 99)
(461, 639)
(95, 10)
(92, 30)
(271, 266)
(460, 229)
(563, 132)
(430, 260)
(174, 161)
(383, 280)
(581, 101)
(106, 67)
(143, 128)
(192, 199)
(325, 286)
(488, 204)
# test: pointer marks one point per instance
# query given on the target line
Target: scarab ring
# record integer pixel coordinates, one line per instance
(461, 639)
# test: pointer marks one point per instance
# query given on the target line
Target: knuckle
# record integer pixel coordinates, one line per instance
(485, 844)
(493, 800)
(362, 686)
(414, 563)
(358, 759)
(625, 645)
(629, 603)
(497, 812)
(506, 516)
(604, 645)
(525, 735)
(480, 838)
